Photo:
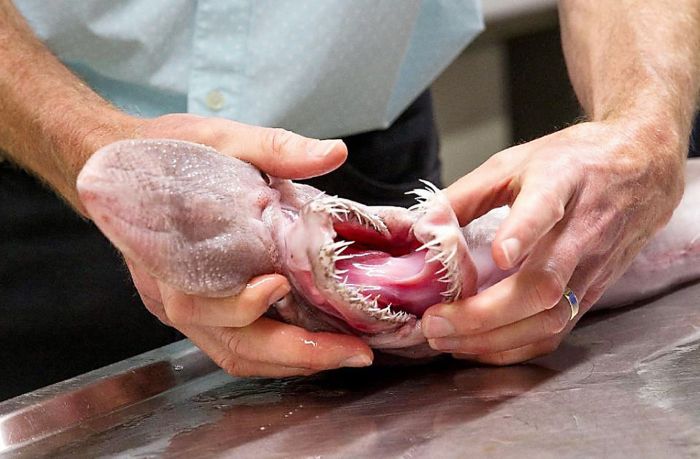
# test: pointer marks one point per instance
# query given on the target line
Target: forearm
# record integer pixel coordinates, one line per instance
(50, 121)
(636, 59)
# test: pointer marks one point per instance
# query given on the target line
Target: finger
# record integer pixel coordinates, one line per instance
(522, 295)
(512, 356)
(144, 282)
(539, 206)
(536, 328)
(246, 368)
(539, 327)
(235, 311)
(206, 339)
(522, 341)
(271, 342)
(148, 291)
(489, 186)
(156, 308)
(282, 153)
(536, 287)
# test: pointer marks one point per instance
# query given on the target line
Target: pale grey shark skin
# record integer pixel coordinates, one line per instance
(206, 223)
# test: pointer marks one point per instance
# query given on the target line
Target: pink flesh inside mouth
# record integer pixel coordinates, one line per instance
(389, 268)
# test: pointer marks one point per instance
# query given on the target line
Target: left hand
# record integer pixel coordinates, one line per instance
(584, 201)
(233, 330)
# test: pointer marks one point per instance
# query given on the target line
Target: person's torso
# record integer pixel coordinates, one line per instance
(322, 68)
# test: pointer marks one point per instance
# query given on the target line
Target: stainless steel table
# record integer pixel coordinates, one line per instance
(625, 384)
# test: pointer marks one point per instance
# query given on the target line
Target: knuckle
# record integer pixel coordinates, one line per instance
(498, 161)
(278, 140)
(230, 359)
(554, 320)
(228, 364)
(554, 204)
(246, 308)
(205, 131)
(238, 367)
(275, 143)
(180, 312)
(547, 347)
(234, 344)
(505, 159)
(530, 228)
(547, 289)
(156, 308)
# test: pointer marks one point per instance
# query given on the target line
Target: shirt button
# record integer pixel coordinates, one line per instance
(215, 100)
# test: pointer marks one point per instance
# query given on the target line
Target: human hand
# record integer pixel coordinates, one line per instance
(232, 330)
(584, 201)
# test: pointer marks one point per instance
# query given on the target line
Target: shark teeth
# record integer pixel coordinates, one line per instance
(423, 196)
(345, 210)
(445, 251)
(354, 295)
(335, 251)
(370, 305)
(340, 246)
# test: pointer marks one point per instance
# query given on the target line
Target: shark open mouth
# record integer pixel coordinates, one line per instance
(372, 267)
(391, 274)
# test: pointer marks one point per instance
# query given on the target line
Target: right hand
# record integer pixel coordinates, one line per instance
(233, 331)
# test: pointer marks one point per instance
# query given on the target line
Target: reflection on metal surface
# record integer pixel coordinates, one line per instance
(62, 406)
(624, 384)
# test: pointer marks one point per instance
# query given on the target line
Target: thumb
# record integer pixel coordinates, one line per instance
(284, 154)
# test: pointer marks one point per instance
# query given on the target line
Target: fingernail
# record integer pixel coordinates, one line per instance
(278, 294)
(511, 249)
(444, 344)
(437, 327)
(323, 148)
(357, 361)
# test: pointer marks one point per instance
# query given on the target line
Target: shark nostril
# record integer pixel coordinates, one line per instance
(266, 178)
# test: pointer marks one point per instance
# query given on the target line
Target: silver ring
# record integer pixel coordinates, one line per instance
(570, 297)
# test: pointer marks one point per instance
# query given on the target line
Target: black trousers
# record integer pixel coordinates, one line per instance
(67, 304)
(694, 150)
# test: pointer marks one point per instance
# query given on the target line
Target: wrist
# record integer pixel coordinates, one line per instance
(70, 136)
(656, 128)
(657, 114)
(657, 144)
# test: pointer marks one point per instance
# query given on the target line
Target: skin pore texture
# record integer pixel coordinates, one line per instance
(205, 223)
(584, 200)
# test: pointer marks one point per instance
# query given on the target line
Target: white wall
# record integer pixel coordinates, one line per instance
(471, 95)
(470, 106)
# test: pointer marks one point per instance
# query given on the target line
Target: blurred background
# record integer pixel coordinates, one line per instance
(507, 87)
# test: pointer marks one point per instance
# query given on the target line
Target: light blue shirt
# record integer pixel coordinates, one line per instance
(321, 68)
